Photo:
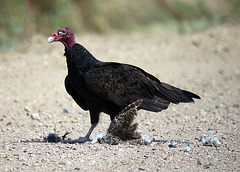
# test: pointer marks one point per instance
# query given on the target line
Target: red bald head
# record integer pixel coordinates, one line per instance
(64, 35)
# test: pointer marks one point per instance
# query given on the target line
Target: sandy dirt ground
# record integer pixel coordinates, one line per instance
(34, 103)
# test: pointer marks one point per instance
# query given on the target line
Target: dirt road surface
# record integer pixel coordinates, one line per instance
(34, 103)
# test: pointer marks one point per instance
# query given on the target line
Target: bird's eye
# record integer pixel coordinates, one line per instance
(61, 32)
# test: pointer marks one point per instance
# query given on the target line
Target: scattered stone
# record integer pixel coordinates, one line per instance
(27, 109)
(65, 110)
(185, 149)
(30, 152)
(196, 43)
(190, 141)
(35, 116)
(77, 169)
(203, 112)
(172, 143)
(176, 167)
(210, 141)
(210, 129)
(9, 123)
(236, 106)
(208, 165)
(73, 148)
(199, 162)
(9, 159)
(146, 139)
(68, 163)
(199, 129)
(49, 116)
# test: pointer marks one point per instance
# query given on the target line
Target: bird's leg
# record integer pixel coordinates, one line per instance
(94, 115)
(86, 138)
(90, 130)
(94, 121)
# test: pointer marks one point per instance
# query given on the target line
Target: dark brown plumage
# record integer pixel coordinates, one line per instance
(109, 87)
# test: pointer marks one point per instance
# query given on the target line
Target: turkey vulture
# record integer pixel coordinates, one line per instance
(108, 86)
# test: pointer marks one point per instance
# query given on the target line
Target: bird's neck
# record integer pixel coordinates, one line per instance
(69, 42)
(79, 58)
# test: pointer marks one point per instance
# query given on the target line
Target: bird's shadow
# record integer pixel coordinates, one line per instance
(55, 138)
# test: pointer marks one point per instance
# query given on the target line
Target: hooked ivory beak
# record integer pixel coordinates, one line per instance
(50, 39)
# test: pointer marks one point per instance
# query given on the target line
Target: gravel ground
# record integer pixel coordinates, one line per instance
(34, 103)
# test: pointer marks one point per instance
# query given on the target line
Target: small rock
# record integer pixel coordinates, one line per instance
(21, 159)
(146, 139)
(9, 123)
(208, 165)
(236, 106)
(65, 110)
(185, 149)
(199, 162)
(73, 148)
(199, 129)
(68, 163)
(210, 129)
(172, 143)
(25, 163)
(237, 72)
(203, 112)
(35, 116)
(148, 123)
(27, 109)
(145, 156)
(210, 141)
(190, 141)
(196, 43)
(221, 72)
(30, 152)
(9, 159)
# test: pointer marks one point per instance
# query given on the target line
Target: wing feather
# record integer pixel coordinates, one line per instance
(123, 84)
(119, 83)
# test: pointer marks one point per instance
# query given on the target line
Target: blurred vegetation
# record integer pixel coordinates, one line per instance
(20, 19)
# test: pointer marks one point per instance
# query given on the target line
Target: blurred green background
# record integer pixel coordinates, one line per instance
(21, 19)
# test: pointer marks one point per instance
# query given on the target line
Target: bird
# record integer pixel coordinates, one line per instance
(108, 87)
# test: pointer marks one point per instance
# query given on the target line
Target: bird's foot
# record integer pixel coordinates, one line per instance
(80, 140)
